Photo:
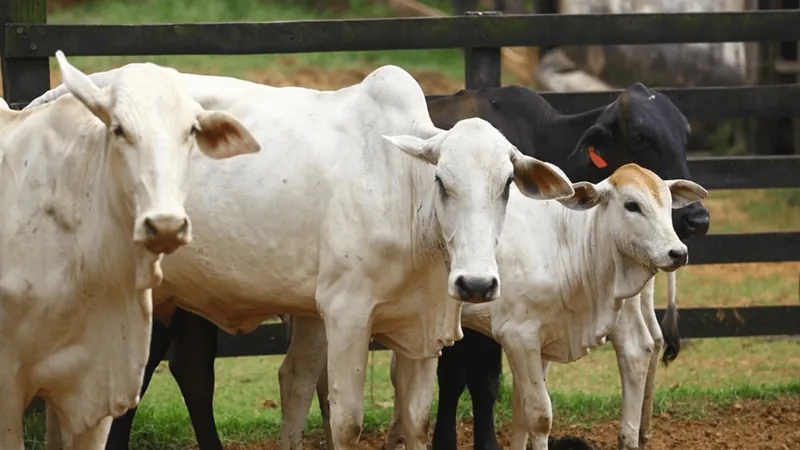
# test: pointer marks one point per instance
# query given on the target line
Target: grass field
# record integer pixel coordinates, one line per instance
(709, 373)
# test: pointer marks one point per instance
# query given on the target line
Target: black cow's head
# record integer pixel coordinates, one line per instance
(644, 127)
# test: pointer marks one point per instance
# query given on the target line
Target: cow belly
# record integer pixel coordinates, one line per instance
(240, 284)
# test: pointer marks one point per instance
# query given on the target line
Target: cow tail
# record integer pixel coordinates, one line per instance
(669, 324)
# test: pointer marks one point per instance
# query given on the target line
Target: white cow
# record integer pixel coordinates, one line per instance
(92, 188)
(359, 210)
(566, 277)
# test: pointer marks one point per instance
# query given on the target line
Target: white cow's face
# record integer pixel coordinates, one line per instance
(475, 166)
(153, 126)
(639, 213)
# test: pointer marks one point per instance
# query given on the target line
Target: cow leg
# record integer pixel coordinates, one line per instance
(650, 319)
(53, 430)
(324, 405)
(634, 348)
(395, 434)
(11, 411)
(192, 366)
(298, 377)
(483, 381)
(348, 325)
(160, 338)
(413, 395)
(531, 409)
(451, 374)
(94, 438)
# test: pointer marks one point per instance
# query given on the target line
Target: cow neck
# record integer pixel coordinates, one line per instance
(602, 258)
(560, 139)
(427, 243)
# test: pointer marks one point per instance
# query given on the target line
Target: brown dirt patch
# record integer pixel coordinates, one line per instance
(317, 77)
(750, 424)
(330, 79)
(735, 273)
(724, 210)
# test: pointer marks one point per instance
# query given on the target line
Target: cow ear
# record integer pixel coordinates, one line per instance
(593, 148)
(221, 136)
(586, 196)
(416, 147)
(685, 192)
(81, 86)
(539, 180)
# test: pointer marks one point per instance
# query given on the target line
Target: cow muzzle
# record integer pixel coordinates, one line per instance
(675, 259)
(163, 233)
(475, 289)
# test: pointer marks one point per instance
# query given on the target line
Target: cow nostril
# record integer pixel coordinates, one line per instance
(678, 256)
(151, 229)
(184, 227)
(461, 284)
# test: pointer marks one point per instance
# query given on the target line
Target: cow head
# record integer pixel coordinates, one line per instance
(474, 168)
(153, 126)
(644, 127)
(637, 214)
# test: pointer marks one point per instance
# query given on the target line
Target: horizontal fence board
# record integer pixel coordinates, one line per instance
(700, 103)
(744, 248)
(272, 339)
(746, 172)
(27, 40)
(705, 103)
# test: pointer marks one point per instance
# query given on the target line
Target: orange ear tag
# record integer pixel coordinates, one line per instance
(596, 159)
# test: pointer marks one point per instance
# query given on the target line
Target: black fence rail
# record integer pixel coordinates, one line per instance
(26, 43)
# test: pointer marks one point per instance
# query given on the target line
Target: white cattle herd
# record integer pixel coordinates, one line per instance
(347, 209)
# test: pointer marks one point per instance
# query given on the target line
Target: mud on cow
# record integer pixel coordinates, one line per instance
(374, 220)
(93, 190)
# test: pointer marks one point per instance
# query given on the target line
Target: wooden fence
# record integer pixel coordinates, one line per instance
(27, 43)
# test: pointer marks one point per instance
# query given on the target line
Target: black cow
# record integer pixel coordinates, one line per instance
(641, 126)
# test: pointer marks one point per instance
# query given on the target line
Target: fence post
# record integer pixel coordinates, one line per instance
(482, 65)
(23, 78)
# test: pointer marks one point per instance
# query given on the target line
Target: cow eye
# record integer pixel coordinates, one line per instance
(510, 180)
(633, 207)
(118, 131)
(195, 129)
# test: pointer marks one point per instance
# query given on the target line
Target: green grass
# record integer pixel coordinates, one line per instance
(448, 62)
(582, 393)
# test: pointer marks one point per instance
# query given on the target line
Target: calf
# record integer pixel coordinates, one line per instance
(359, 211)
(567, 275)
(92, 190)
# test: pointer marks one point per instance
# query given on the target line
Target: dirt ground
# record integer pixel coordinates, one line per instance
(290, 74)
(747, 425)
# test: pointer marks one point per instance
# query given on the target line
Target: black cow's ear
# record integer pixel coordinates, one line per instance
(593, 148)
